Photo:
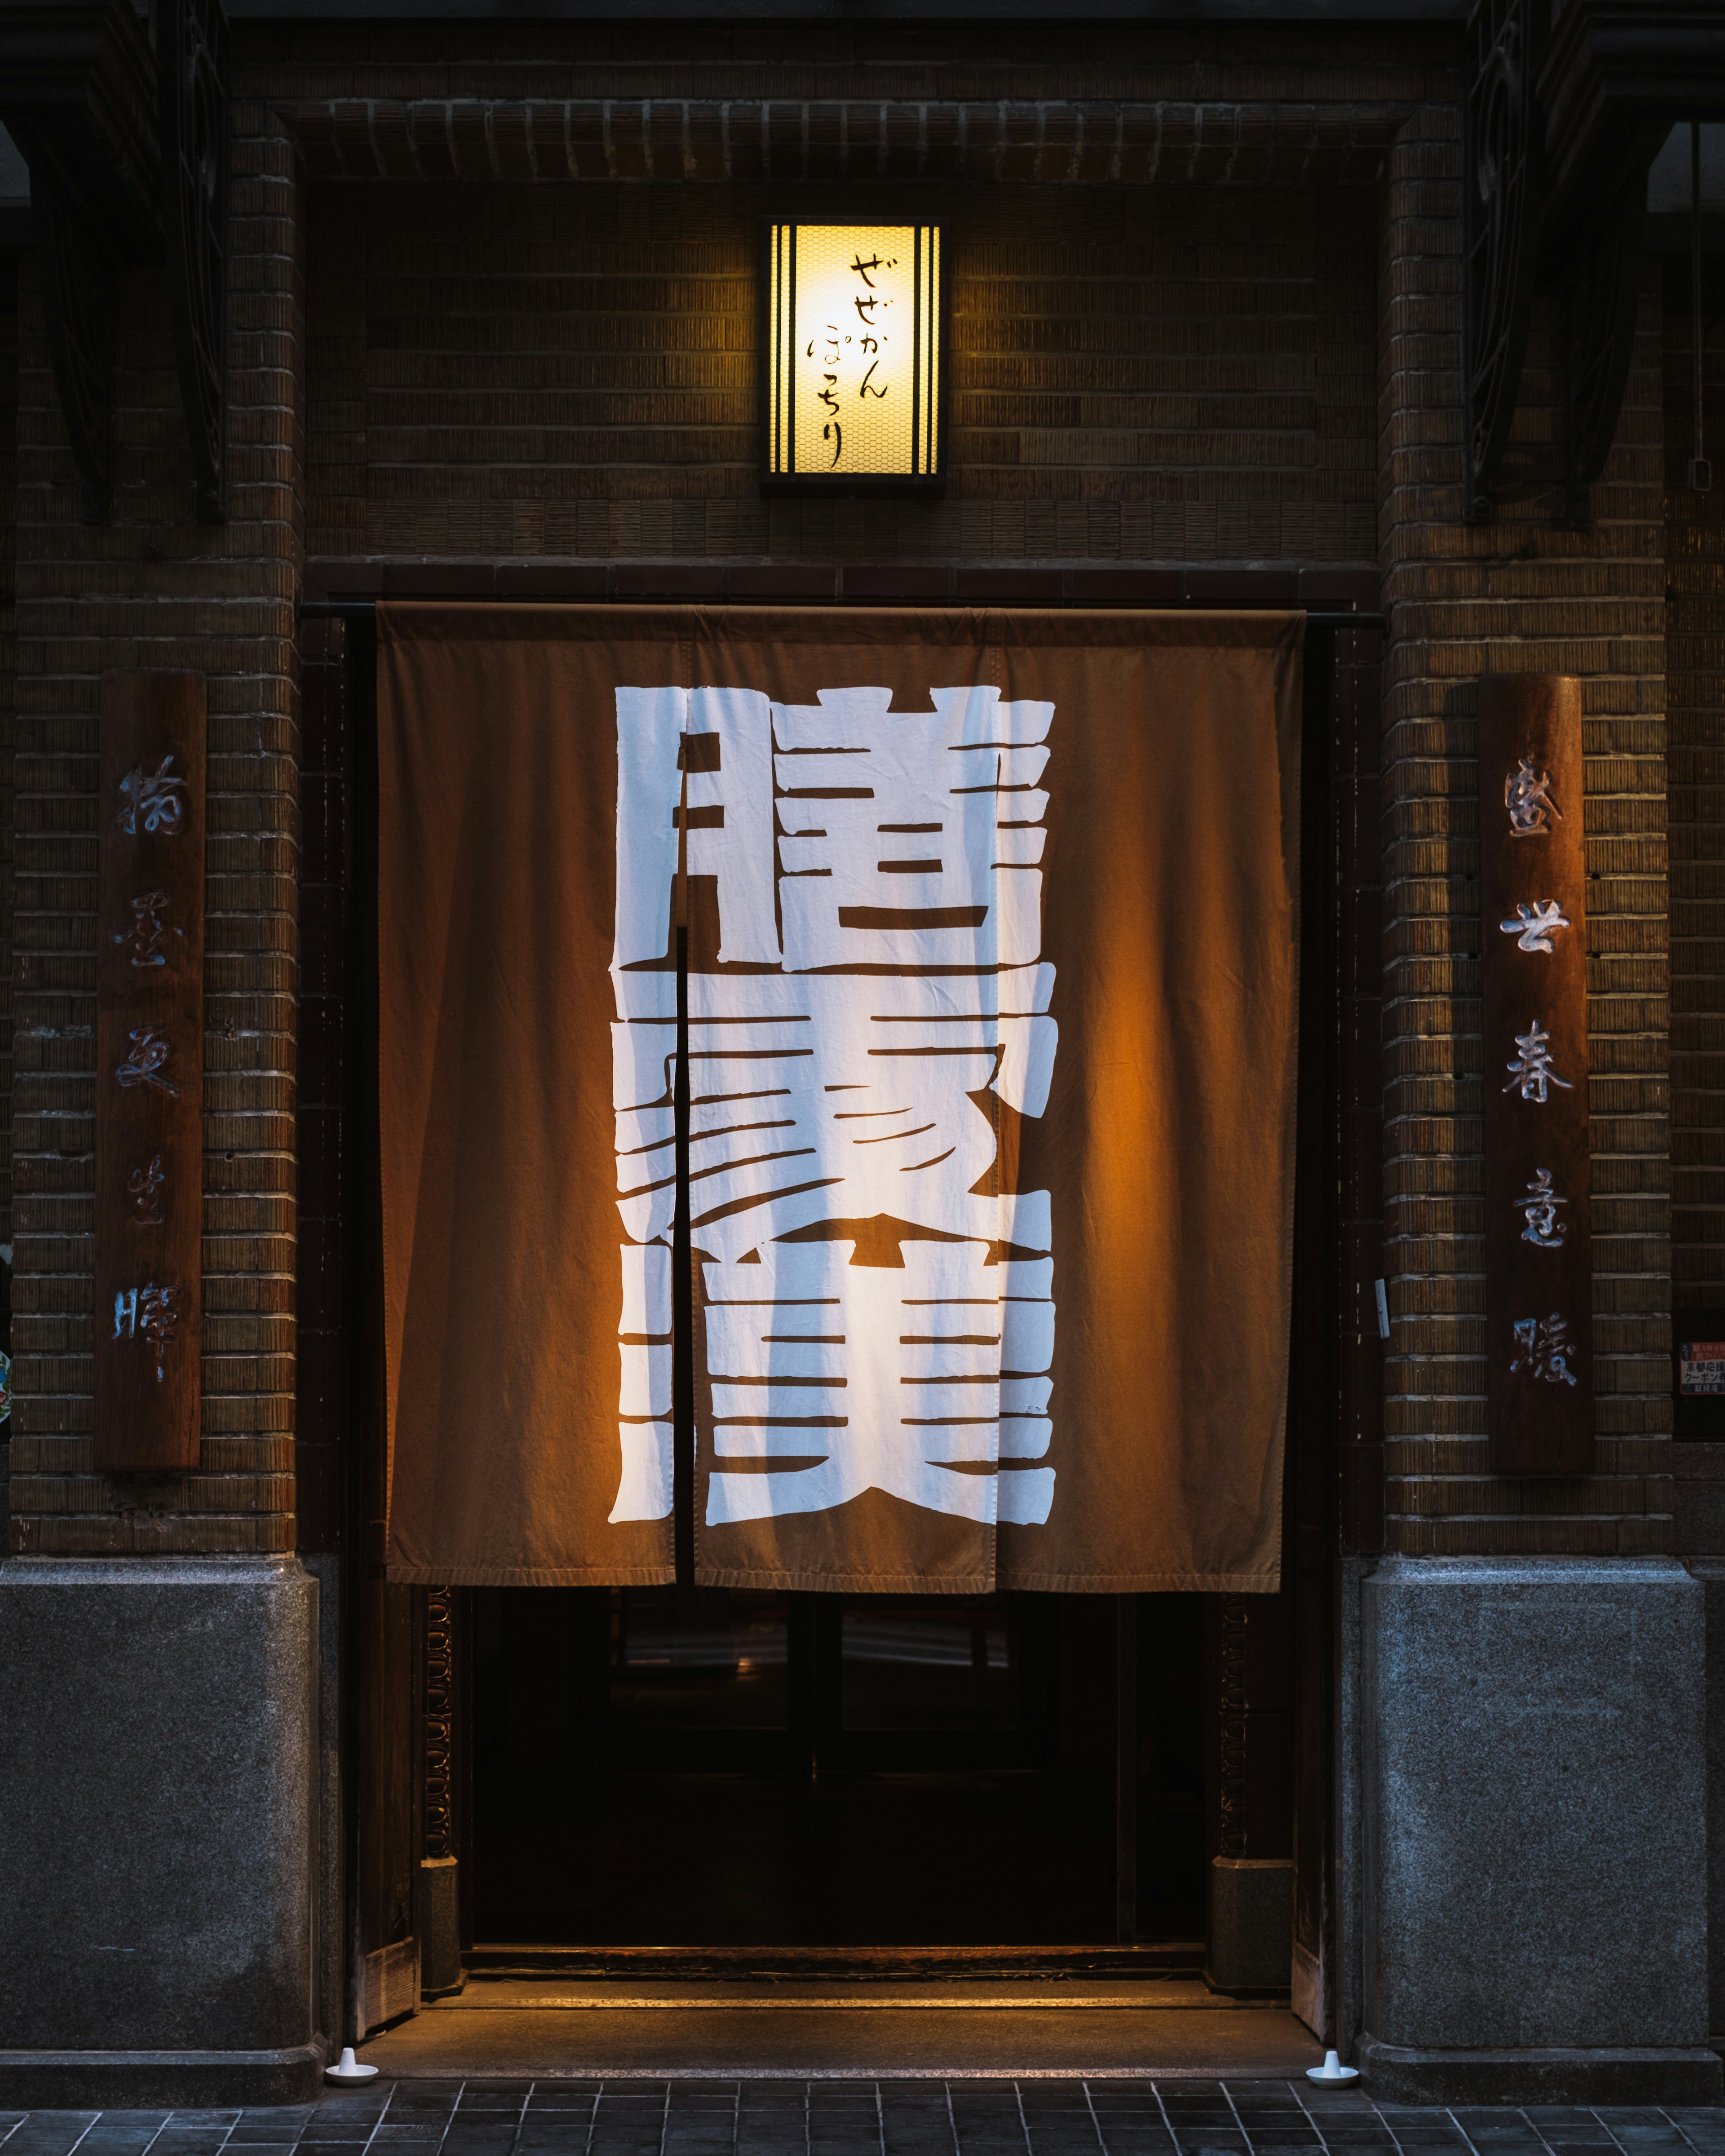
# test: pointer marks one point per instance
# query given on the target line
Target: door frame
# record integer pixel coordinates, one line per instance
(395, 1735)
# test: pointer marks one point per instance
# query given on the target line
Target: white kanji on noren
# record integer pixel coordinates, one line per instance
(854, 850)
(829, 1379)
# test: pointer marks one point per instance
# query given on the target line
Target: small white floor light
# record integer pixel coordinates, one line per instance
(350, 2070)
(1331, 2070)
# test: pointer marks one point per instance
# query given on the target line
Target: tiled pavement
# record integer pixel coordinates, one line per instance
(1063, 2117)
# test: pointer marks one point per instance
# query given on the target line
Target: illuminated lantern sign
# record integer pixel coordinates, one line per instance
(853, 389)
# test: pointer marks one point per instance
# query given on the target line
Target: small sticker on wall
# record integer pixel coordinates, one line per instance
(1700, 1368)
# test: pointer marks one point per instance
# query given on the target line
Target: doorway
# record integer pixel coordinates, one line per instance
(711, 1768)
(615, 1771)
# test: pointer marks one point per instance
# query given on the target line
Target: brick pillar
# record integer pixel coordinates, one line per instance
(155, 588)
(8, 667)
(1527, 1647)
(1521, 593)
(158, 1636)
(1695, 557)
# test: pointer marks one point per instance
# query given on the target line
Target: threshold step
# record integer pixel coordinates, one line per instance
(765, 1964)
(1150, 1992)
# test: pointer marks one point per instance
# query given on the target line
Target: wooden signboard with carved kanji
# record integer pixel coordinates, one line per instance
(1537, 1185)
(149, 1103)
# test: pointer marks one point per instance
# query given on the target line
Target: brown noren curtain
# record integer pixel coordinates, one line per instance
(992, 987)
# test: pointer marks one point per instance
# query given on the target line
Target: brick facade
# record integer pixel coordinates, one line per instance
(519, 347)
(518, 370)
(8, 672)
(153, 588)
(1524, 593)
(1694, 659)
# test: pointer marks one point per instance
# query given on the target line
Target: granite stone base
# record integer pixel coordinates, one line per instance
(1251, 1937)
(158, 2080)
(1534, 1835)
(1394, 2074)
(158, 1813)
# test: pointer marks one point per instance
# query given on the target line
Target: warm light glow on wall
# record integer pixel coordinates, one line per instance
(853, 390)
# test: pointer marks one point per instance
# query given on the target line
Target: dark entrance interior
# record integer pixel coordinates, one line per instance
(705, 1768)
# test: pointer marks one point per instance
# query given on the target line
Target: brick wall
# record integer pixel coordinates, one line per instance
(8, 667)
(1523, 592)
(1695, 645)
(153, 588)
(514, 368)
(1184, 374)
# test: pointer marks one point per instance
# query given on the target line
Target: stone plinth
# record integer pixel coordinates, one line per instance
(157, 1812)
(1535, 1833)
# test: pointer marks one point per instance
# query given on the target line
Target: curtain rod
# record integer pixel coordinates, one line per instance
(1316, 617)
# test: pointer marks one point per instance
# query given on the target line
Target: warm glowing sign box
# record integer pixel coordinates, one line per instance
(854, 393)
